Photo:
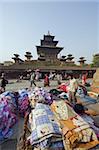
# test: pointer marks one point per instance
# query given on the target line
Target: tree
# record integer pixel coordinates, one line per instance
(95, 62)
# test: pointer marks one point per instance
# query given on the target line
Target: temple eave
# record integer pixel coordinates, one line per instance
(49, 36)
(50, 47)
(28, 56)
(81, 60)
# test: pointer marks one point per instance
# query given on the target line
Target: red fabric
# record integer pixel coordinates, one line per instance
(63, 87)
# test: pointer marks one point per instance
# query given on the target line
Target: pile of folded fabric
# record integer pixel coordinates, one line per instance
(56, 93)
(11, 96)
(84, 97)
(64, 87)
(74, 129)
(53, 123)
(23, 101)
(7, 117)
(40, 95)
(45, 129)
(81, 93)
(19, 100)
(10, 104)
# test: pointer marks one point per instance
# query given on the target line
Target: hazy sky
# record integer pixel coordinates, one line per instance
(74, 23)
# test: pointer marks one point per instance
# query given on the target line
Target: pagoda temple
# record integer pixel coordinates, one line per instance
(82, 61)
(17, 59)
(28, 56)
(48, 49)
(62, 58)
(69, 59)
(48, 61)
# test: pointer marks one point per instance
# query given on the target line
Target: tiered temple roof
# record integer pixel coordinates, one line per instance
(48, 47)
(28, 56)
(17, 59)
(70, 58)
(62, 58)
(82, 60)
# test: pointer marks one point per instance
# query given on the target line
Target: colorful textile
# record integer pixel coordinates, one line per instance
(81, 92)
(87, 99)
(44, 126)
(62, 110)
(55, 92)
(7, 117)
(41, 96)
(9, 95)
(74, 128)
(84, 97)
(90, 121)
(64, 87)
(23, 101)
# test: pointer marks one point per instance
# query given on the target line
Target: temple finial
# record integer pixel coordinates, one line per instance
(48, 32)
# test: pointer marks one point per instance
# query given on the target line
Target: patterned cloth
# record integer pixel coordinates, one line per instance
(44, 126)
(7, 117)
(40, 95)
(75, 129)
(62, 110)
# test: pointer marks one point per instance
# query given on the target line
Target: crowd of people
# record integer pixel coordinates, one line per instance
(73, 82)
(35, 75)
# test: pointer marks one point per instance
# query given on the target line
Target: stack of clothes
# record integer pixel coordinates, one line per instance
(11, 103)
(40, 95)
(45, 129)
(23, 101)
(81, 93)
(7, 117)
(56, 125)
(76, 132)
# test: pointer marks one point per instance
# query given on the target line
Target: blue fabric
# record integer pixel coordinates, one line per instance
(8, 135)
(41, 120)
(13, 98)
(88, 99)
(57, 145)
(44, 126)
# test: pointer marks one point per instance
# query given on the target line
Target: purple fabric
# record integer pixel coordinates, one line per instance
(7, 117)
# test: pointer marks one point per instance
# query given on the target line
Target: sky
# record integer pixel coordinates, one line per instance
(75, 24)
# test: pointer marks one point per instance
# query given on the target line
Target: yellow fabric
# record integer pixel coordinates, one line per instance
(67, 123)
(87, 146)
